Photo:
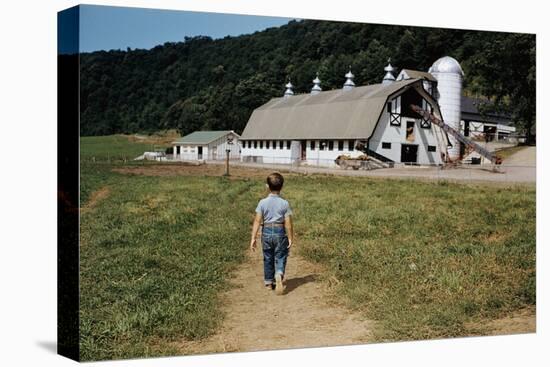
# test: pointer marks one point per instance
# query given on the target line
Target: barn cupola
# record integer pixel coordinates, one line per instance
(288, 91)
(349, 84)
(316, 85)
(389, 78)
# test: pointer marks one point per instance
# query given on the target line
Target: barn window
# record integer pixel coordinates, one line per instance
(410, 130)
(250, 143)
(351, 145)
(340, 145)
(408, 98)
(261, 144)
(267, 144)
(395, 119)
(386, 145)
(322, 144)
(431, 148)
(388, 107)
(312, 145)
(288, 144)
(255, 144)
(280, 144)
(331, 145)
(424, 123)
(274, 144)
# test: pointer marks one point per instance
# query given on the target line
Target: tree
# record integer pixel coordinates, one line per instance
(202, 83)
(506, 72)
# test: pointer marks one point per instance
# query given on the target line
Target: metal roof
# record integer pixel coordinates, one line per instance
(338, 114)
(414, 74)
(470, 111)
(202, 137)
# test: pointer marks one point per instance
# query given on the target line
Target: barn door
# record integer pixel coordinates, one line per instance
(409, 153)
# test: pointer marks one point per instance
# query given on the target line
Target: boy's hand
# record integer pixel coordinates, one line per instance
(253, 244)
(289, 243)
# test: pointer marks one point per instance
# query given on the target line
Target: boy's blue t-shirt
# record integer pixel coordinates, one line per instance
(274, 209)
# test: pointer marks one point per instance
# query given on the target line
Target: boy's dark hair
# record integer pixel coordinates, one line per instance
(275, 181)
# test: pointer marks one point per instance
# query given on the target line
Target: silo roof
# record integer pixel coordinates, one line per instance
(446, 64)
(339, 114)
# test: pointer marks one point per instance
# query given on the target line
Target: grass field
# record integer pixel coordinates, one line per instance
(423, 259)
(98, 154)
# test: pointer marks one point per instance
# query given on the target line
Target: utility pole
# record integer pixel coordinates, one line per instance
(227, 151)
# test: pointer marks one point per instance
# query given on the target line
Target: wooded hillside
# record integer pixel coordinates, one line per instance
(201, 83)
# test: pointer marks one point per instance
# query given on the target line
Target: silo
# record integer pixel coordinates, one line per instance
(449, 76)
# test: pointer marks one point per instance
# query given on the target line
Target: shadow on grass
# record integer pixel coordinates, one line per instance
(293, 283)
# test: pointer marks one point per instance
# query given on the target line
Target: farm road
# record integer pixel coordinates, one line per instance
(526, 157)
(258, 319)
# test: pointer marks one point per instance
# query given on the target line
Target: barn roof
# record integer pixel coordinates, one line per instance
(470, 111)
(202, 137)
(413, 74)
(339, 114)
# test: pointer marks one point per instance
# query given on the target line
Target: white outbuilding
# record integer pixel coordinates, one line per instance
(207, 145)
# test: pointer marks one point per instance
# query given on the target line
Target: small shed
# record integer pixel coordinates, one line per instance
(207, 145)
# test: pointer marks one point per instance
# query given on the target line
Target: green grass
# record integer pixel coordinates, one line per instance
(423, 259)
(113, 147)
(98, 155)
(154, 256)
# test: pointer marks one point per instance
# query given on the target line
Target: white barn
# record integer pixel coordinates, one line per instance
(207, 145)
(376, 119)
(317, 127)
(488, 126)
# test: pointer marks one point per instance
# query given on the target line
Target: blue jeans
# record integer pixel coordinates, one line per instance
(275, 249)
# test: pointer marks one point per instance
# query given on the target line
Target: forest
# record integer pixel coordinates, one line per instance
(202, 83)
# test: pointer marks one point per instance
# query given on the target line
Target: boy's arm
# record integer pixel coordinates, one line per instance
(255, 228)
(289, 229)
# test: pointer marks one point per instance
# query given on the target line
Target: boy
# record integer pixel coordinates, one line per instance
(276, 215)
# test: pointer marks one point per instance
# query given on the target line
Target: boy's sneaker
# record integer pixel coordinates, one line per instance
(270, 287)
(279, 287)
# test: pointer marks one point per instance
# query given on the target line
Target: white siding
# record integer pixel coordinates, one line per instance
(315, 157)
(397, 135)
(326, 157)
(476, 128)
(217, 149)
(266, 155)
(188, 152)
(449, 89)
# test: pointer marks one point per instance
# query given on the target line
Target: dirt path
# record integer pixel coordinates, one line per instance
(258, 319)
(519, 322)
(511, 172)
(524, 157)
(95, 198)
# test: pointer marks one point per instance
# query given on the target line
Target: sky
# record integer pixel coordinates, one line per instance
(107, 28)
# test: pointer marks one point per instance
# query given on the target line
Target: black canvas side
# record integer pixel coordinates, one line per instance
(68, 136)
